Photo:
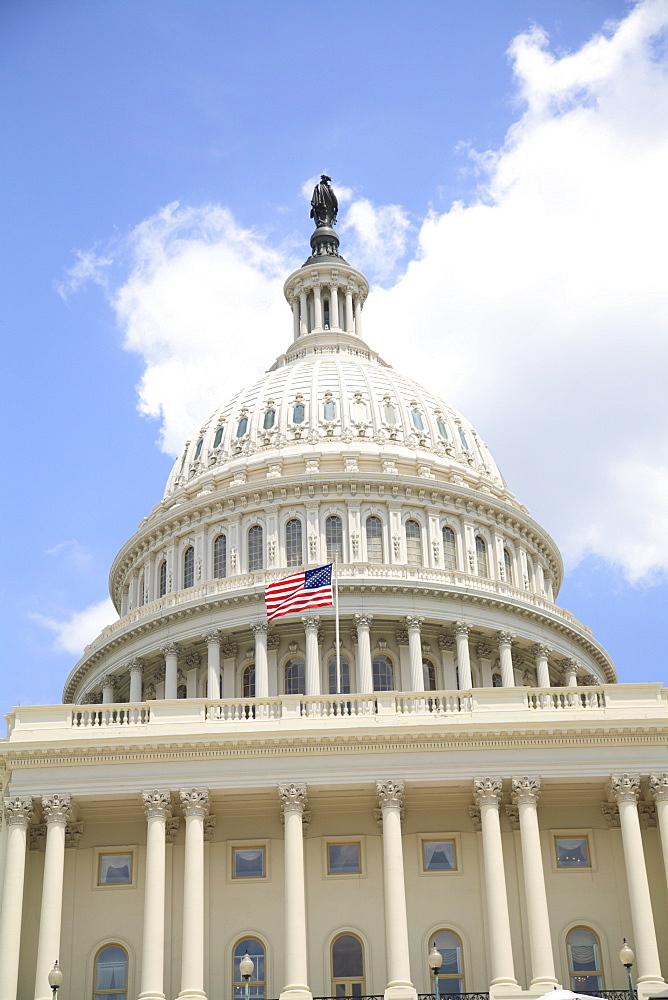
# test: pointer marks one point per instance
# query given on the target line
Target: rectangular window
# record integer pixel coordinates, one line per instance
(439, 856)
(114, 869)
(344, 859)
(248, 862)
(572, 852)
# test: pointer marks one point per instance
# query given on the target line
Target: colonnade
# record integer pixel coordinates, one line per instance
(57, 810)
(264, 641)
(325, 305)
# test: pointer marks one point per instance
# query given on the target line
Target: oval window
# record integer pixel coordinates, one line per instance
(389, 413)
(329, 410)
(242, 427)
(219, 436)
(269, 418)
(442, 429)
(416, 416)
(298, 414)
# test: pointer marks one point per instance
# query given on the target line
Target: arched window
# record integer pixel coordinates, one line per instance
(188, 567)
(110, 979)
(413, 544)
(218, 436)
(383, 673)
(258, 981)
(449, 548)
(334, 538)
(508, 566)
(451, 976)
(442, 428)
(416, 417)
(182, 691)
(374, 539)
(198, 449)
(255, 555)
(293, 542)
(162, 578)
(481, 556)
(329, 410)
(347, 966)
(298, 414)
(248, 681)
(295, 676)
(345, 675)
(220, 557)
(269, 418)
(584, 960)
(462, 438)
(389, 412)
(242, 427)
(429, 674)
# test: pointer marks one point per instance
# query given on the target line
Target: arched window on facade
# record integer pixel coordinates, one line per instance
(383, 673)
(219, 557)
(295, 676)
(374, 539)
(413, 544)
(162, 578)
(293, 542)
(255, 554)
(347, 966)
(449, 548)
(142, 591)
(188, 567)
(508, 567)
(258, 981)
(110, 977)
(584, 960)
(481, 556)
(182, 691)
(248, 681)
(451, 976)
(334, 538)
(345, 675)
(429, 674)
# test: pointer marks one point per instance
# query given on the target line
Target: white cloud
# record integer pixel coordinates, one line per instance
(72, 550)
(73, 633)
(379, 235)
(88, 266)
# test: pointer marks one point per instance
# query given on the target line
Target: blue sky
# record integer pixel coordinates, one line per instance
(502, 171)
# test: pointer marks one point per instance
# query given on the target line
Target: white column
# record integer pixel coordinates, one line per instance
(358, 315)
(525, 792)
(390, 799)
(57, 811)
(506, 659)
(487, 795)
(261, 665)
(108, 688)
(303, 314)
(570, 672)
(350, 320)
(658, 786)
(195, 804)
(212, 640)
(18, 813)
(414, 625)
(541, 652)
(295, 317)
(136, 668)
(364, 669)
(463, 656)
(625, 789)
(334, 307)
(293, 802)
(311, 624)
(170, 651)
(317, 308)
(157, 807)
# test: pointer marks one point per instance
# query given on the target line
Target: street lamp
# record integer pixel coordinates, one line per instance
(627, 958)
(246, 968)
(55, 979)
(435, 962)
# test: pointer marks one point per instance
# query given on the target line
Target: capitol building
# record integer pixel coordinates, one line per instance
(461, 770)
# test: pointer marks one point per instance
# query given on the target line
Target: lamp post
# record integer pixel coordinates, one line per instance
(246, 968)
(435, 962)
(627, 958)
(55, 979)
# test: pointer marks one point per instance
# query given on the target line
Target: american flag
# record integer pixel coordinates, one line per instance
(310, 589)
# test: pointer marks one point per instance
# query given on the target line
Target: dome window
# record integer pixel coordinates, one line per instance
(390, 413)
(219, 436)
(295, 676)
(298, 414)
(198, 449)
(358, 409)
(442, 429)
(220, 557)
(162, 579)
(269, 418)
(383, 673)
(416, 417)
(188, 567)
(449, 548)
(481, 554)
(293, 542)
(255, 546)
(374, 539)
(508, 566)
(462, 438)
(413, 544)
(334, 538)
(329, 410)
(242, 427)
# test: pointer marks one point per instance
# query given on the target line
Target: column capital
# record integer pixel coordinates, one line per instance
(506, 637)
(260, 628)
(292, 798)
(413, 623)
(19, 810)
(157, 804)
(136, 666)
(487, 791)
(390, 794)
(625, 787)
(525, 791)
(108, 680)
(57, 808)
(311, 623)
(540, 649)
(212, 636)
(658, 786)
(194, 801)
(169, 649)
(462, 628)
(362, 621)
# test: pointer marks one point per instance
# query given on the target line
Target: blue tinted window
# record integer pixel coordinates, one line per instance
(242, 427)
(269, 418)
(329, 410)
(462, 437)
(219, 437)
(298, 414)
(417, 420)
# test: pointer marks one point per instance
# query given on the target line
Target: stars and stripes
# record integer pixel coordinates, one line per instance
(309, 589)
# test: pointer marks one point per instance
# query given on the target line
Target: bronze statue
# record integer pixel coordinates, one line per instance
(324, 205)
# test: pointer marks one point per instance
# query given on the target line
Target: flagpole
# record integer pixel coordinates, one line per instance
(336, 622)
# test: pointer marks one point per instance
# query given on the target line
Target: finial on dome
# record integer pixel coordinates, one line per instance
(324, 209)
